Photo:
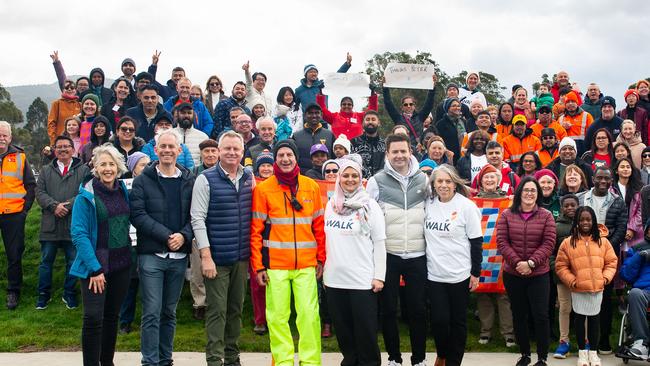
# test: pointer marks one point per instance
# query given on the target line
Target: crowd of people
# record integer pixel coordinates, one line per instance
(144, 180)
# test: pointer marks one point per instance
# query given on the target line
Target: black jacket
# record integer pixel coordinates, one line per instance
(145, 129)
(449, 134)
(615, 220)
(372, 151)
(586, 168)
(416, 127)
(149, 208)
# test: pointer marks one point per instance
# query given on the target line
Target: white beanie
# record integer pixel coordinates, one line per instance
(343, 141)
(567, 141)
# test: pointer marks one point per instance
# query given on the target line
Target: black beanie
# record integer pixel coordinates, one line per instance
(285, 143)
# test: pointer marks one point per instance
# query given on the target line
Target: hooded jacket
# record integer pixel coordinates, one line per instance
(514, 146)
(53, 188)
(105, 94)
(145, 128)
(402, 198)
(61, 109)
(593, 108)
(635, 269)
(449, 133)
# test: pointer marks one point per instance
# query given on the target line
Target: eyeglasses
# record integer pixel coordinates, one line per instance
(64, 147)
(246, 122)
(215, 84)
(408, 104)
(331, 171)
(127, 129)
(529, 190)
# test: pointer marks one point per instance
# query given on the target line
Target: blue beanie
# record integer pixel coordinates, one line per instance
(428, 163)
(309, 67)
(263, 158)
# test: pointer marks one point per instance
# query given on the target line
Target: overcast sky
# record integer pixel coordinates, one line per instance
(517, 41)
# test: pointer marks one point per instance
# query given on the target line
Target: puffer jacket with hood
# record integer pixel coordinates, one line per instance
(306, 94)
(105, 94)
(402, 198)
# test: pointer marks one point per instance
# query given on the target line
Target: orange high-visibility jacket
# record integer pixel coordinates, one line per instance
(514, 147)
(546, 157)
(560, 132)
(579, 124)
(296, 238)
(12, 187)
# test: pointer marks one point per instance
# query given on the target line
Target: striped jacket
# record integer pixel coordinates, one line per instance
(296, 239)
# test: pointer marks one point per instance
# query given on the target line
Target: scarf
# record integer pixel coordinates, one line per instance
(69, 97)
(288, 179)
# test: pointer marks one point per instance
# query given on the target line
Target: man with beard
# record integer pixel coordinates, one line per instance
(266, 129)
(519, 141)
(568, 156)
(184, 115)
(128, 70)
(370, 145)
(237, 99)
(608, 119)
(549, 150)
(147, 112)
(202, 118)
(483, 123)
(575, 121)
(312, 134)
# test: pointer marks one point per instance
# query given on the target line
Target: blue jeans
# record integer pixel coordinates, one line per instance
(48, 255)
(638, 300)
(161, 283)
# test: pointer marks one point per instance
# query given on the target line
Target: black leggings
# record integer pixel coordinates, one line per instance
(529, 296)
(101, 312)
(449, 319)
(593, 330)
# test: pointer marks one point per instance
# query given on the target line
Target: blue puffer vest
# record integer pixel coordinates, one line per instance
(229, 217)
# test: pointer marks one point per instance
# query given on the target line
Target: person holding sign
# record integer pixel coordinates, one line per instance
(311, 85)
(408, 116)
(454, 251)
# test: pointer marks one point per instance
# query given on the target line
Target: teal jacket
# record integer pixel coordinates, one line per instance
(84, 230)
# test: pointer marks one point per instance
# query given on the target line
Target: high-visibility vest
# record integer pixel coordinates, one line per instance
(571, 132)
(12, 189)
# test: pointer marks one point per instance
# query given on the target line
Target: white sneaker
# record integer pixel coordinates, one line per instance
(639, 350)
(393, 363)
(423, 363)
(594, 360)
(583, 358)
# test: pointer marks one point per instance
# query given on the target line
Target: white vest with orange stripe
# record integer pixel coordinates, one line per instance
(12, 189)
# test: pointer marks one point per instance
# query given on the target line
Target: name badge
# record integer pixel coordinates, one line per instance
(116, 108)
(353, 120)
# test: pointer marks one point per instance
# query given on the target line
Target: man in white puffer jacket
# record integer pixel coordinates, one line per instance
(191, 137)
(400, 190)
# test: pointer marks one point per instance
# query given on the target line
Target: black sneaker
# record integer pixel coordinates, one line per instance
(12, 300)
(41, 303)
(524, 360)
(540, 363)
(605, 349)
(70, 301)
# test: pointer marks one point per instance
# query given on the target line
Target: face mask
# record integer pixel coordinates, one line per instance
(370, 129)
(185, 124)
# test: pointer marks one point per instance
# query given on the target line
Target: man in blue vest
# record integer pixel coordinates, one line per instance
(221, 219)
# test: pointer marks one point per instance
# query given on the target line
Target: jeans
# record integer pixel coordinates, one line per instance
(529, 296)
(414, 271)
(48, 255)
(449, 319)
(12, 227)
(354, 313)
(638, 306)
(161, 283)
(99, 331)
(127, 312)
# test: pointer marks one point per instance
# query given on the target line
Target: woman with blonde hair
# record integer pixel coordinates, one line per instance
(632, 137)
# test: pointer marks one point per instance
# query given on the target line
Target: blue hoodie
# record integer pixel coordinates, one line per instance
(306, 94)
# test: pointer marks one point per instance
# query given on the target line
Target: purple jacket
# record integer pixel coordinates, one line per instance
(521, 240)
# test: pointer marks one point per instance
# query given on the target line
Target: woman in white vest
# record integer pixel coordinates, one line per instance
(454, 247)
(356, 264)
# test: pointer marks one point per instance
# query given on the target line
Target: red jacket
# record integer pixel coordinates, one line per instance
(349, 124)
(521, 240)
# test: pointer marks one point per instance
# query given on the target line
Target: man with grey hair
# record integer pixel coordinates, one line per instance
(221, 219)
(593, 101)
(17, 186)
(160, 212)
(266, 129)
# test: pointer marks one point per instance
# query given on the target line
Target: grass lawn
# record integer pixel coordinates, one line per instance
(59, 329)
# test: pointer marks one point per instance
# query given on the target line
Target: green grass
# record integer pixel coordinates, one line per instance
(59, 329)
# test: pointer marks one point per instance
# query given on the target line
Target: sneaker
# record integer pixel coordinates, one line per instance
(484, 340)
(260, 329)
(583, 357)
(327, 331)
(510, 342)
(12, 300)
(605, 349)
(41, 303)
(423, 363)
(540, 363)
(125, 328)
(524, 360)
(562, 350)
(393, 363)
(638, 350)
(594, 360)
(70, 301)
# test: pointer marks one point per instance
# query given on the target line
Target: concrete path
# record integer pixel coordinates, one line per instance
(264, 359)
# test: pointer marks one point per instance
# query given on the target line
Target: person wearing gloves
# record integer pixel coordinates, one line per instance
(454, 247)
(356, 264)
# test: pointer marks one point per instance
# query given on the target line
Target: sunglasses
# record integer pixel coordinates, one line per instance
(548, 137)
(215, 84)
(645, 156)
(544, 112)
(127, 129)
(331, 171)
(70, 87)
(408, 104)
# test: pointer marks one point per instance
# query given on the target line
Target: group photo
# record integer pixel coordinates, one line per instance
(351, 199)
